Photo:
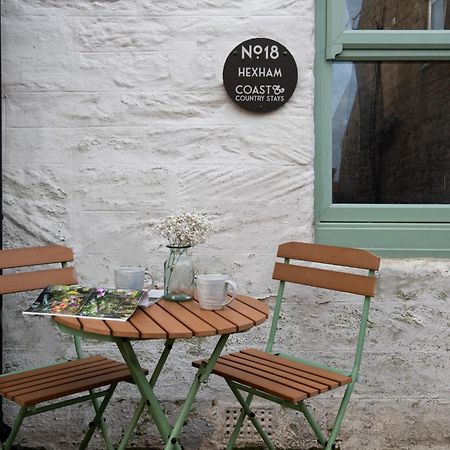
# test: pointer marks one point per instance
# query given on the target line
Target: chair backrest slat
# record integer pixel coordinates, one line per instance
(327, 254)
(32, 256)
(345, 278)
(327, 279)
(29, 281)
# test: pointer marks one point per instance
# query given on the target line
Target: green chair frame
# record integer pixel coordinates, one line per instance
(11, 283)
(322, 278)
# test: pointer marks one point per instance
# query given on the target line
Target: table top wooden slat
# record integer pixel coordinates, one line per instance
(253, 314)
(148, 328)
(171, 320)
(70, 322)
(123, 329)
(254, 303)
(95, 326)
(222, 325)
(198, 326)
(243, 323)
(170, 324)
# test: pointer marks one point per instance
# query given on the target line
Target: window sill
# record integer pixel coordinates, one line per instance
(405, 240)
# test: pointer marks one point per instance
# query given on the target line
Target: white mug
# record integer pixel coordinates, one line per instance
(131, 278)
(212, 290)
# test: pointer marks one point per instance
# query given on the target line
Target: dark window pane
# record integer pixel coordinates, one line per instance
(391, 132)
(397, 14)
(436, 15)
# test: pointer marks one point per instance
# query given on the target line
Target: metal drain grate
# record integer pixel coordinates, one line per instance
(248, 432)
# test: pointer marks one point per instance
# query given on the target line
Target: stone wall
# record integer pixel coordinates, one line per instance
(114, 115)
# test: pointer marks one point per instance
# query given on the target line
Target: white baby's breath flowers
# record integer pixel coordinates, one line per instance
(185, 229)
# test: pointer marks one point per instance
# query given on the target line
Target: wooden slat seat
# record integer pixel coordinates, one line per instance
(290, 380)
(35, 386)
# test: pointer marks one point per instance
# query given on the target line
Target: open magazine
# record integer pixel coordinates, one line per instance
(88, 302)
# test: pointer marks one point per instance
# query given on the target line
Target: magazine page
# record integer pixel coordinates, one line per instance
(59, 300)
(111, 304)
(87, 302)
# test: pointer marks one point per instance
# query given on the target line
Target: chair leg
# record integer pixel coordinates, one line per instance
(340, 416)
(7, 445)
(312, 423)
(98, 420)
(238, 424)
(251, 415)
(102, 424)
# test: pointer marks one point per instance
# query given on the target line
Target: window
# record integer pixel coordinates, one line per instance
(390, 132)
(381, 115)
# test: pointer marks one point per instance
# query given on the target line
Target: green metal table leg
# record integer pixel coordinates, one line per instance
(140, 408)
(203, 373)
(145, 389)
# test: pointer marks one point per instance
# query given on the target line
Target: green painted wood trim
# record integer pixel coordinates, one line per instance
(339, 40)
(388, 213)
(394, 39)
(322, 116)
(400, 240)
(393, 55)
(334, 14)
(389, 230)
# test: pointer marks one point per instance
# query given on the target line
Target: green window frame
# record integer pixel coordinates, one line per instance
(405, 230)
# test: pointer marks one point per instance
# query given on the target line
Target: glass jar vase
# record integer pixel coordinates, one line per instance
(178, 275)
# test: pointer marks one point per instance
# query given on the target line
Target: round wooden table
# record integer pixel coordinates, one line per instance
(170, 321)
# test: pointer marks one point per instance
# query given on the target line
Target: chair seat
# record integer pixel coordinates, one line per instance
(48, 383)
(289, 380)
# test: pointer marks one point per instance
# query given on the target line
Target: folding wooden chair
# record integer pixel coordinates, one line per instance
(29, 388)
(289, 380)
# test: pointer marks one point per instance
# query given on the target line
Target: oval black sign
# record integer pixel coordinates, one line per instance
(260, 75)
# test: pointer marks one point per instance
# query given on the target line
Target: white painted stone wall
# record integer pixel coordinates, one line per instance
(114, 115)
